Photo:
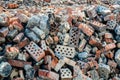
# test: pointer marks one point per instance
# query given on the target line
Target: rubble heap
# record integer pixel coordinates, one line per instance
(60, 40)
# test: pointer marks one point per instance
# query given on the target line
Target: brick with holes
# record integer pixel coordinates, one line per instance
(65, 51)
(111, 24)
(87, 29)
(74, 37)
(66, 73)
(48, 74)
(35, 51)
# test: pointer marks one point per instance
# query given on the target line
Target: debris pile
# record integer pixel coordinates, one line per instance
(60, 40)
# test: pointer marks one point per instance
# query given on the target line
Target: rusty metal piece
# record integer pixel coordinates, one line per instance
(35, 51)
(48, 74)
(87, 29)
(65, 51)
(74, 37)
(4, 31)
(82, 45)
(65, 73)
(17, 63)
(12, 34)
(18, 38)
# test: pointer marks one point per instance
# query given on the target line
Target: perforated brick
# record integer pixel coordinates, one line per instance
(111, 24)
(74, 37)
(35, 51)
(65, 73)
(65, 51)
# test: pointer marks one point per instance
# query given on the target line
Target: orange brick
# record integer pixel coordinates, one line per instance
(87, 29)
(17, 63)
